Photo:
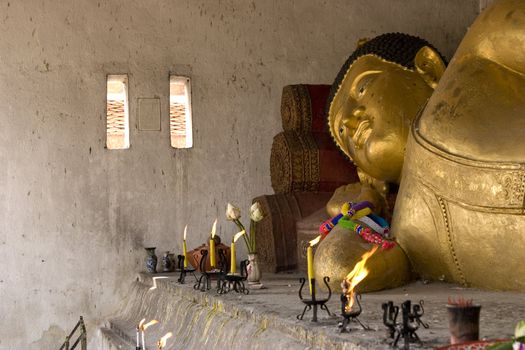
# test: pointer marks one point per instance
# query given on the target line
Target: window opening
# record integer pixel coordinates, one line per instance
(180, 112)
(117, 112)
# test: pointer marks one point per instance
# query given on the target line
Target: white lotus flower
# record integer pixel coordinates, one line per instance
(519, 333)
(256, 213)
(232, 212)
(520, 329)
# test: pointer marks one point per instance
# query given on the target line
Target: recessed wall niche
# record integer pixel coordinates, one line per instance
(149, 114)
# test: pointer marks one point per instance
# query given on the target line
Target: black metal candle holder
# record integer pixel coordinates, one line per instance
(390, 312)
(351, 316)
(184, 270)
(229, 282)
(411, 321)
(204, 281)
(314, 302)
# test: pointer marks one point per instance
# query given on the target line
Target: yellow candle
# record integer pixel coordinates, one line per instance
(212, 253)
(185, 248)
(310, 261)
(233, 263)
(213, 261)
(233, 256)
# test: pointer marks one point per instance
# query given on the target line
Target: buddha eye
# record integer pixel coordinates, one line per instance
(363, 83)
(341, 130)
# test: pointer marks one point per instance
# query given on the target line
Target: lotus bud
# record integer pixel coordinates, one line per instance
(232, 212)
(520, 330)
(519, 335)
(256, 213)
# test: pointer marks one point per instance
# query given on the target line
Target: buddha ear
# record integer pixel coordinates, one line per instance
(430, 65)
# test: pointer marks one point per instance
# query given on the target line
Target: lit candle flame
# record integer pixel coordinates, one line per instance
(355, 277)
(185, 230)
(149, 324)
(315, 241)
(214, 229)
(238, 235)
(162, 342)
(141, 323)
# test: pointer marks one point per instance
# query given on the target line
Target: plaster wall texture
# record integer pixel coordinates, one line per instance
(74, 216)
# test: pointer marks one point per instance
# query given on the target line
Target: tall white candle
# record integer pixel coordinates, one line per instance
(143, 330)
(139, 329)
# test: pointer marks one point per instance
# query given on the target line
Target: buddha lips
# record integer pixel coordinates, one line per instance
(376, 230)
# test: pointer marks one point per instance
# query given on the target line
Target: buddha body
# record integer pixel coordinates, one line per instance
(459, 214)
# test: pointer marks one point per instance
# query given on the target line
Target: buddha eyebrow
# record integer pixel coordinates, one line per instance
(362, 76)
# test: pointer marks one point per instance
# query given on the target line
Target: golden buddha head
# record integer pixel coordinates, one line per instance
(376, 96)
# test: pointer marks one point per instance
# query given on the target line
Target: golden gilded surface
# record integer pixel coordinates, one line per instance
(460, 209)
(373, 192)
(388, 269)
(460, 212)
(370, 118)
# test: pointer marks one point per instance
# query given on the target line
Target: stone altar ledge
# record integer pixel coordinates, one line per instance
(266, 318)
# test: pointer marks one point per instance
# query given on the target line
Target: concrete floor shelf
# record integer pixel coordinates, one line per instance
(266, 319)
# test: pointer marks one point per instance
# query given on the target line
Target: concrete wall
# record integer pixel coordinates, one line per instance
(74, 216)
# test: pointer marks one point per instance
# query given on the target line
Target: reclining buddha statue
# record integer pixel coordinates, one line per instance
(454, 141)
(460, 210)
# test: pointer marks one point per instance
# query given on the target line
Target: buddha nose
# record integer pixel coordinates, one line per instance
(359, 111)
(353, 120)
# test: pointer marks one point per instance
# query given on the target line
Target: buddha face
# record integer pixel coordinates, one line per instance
(371, 114)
